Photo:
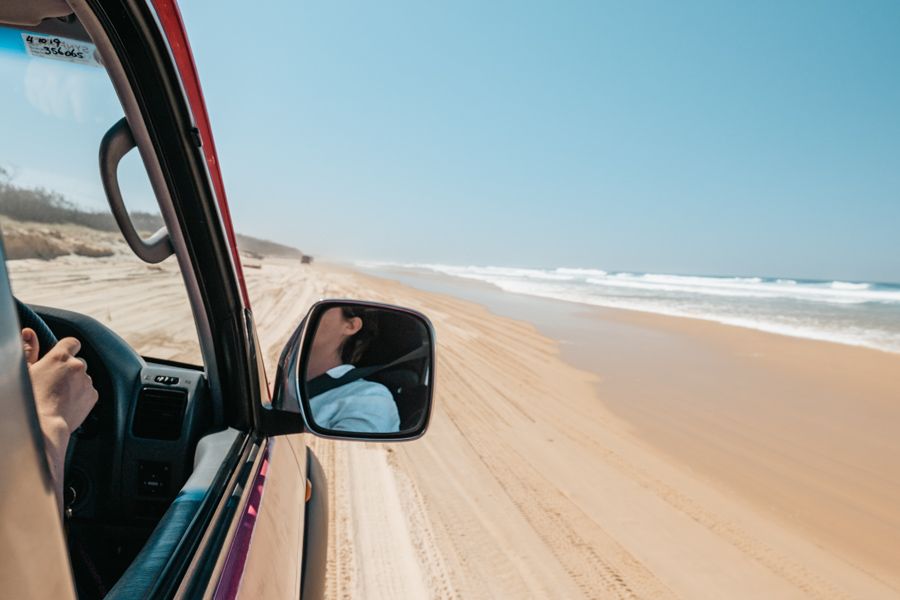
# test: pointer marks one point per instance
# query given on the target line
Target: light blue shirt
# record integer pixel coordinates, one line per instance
(360, 405)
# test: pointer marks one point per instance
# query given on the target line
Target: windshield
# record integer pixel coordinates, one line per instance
(62, 246)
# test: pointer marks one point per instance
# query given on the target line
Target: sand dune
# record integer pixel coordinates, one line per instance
(529, 484)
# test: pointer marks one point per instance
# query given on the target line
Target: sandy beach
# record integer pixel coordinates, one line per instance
(647, 457)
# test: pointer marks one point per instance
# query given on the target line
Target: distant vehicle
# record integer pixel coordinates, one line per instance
(186, 480)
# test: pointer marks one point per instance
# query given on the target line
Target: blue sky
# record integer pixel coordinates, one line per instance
(665, 137)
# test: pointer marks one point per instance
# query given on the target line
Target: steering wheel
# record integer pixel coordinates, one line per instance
(46, 340)
(28, 318)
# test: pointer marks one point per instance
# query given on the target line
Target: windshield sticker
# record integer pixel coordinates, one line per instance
(60, 48)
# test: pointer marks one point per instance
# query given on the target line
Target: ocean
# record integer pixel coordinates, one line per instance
(857, 313)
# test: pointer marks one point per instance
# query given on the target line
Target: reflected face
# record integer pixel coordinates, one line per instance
(332, 331)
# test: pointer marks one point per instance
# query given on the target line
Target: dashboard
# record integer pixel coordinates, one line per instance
(136, 448)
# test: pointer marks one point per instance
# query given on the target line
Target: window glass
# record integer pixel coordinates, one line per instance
(62, 245)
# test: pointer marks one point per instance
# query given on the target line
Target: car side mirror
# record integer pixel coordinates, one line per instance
(360, 370)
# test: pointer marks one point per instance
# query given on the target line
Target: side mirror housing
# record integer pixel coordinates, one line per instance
(358, 370)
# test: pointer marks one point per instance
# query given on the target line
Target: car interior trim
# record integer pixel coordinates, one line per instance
(149, 564)
(118, 142)
(146, 149)
(187, 560)
(157, 90)
(202, 575)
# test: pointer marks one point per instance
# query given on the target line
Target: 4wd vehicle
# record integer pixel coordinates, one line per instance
(190, 476)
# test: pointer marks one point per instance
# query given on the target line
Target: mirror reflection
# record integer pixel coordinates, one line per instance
(367, 369)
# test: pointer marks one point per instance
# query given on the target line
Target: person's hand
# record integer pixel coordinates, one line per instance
(63, 396)
(62, 388)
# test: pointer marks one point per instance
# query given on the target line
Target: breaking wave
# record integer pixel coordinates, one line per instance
(856, 313)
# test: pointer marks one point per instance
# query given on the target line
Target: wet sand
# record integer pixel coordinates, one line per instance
(629, 456)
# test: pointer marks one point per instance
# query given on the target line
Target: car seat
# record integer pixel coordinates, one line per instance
(408, 382)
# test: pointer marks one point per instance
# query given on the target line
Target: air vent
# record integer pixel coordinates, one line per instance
(159, 414)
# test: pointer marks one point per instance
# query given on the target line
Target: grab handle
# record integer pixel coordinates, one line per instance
(117, 142)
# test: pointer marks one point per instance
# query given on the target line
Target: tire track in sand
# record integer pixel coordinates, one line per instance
(599, 566)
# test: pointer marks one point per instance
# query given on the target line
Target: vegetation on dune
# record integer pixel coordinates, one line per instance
(38, 205)
(260, 247)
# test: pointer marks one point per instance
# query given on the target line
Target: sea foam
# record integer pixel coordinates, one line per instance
(855, 313)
